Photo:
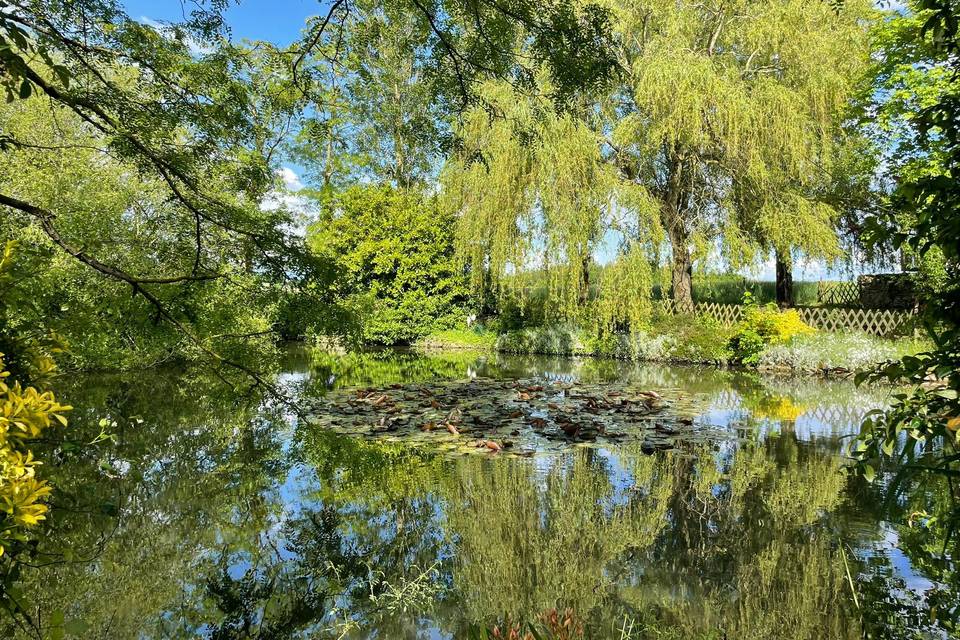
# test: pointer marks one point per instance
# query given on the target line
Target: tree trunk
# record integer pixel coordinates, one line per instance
(682, 272)
(585, 280)
(674, 207)
(784, 280)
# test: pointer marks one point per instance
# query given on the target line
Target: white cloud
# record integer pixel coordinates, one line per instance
(290, 179)
(196, 47)
(302, 210)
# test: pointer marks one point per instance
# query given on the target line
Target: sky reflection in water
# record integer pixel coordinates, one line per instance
(231, 521)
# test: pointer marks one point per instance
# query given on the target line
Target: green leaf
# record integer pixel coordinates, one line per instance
(887, 447)
(869, 473)
(76, 627)
(25, 89)
(63, 73)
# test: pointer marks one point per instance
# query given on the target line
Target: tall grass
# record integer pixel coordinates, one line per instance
(729, 289)
(726, 288)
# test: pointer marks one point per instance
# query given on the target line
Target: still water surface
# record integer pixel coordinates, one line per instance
(213, 517)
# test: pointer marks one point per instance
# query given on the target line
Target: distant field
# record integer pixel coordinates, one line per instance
(721, 288)
(729, 289)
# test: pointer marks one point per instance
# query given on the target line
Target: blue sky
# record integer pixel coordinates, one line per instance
(278, 21)
(281, 21)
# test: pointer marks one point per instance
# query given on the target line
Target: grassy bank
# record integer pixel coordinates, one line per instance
(690, 340)
(470, 339)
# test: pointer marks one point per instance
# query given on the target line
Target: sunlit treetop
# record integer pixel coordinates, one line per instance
(722, 121)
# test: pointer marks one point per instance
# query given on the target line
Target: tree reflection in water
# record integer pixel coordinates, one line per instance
(220, 519)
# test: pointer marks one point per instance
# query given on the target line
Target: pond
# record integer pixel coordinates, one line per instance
(195, 513)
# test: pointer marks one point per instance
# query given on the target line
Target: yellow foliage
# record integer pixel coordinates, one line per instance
(774, 325)
(25, 413)
(788, 324)
(781, 408)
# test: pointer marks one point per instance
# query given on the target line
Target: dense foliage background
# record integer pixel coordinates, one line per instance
(394, 249)
(545, 168)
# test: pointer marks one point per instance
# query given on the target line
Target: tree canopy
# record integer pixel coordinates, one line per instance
(725, 121)
(455, 159)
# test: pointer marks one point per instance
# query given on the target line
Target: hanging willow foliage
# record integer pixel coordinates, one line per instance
(616, 307)
(751, 98)
(536, 197)
(725, 125)
(491, 184)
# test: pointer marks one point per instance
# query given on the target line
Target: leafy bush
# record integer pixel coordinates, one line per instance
(609, 345)
(393, 249)
(25, 414)
(550, 340)
(698, 339)
(764, 325)
(645, 345)
(746, 345)
(689, 338)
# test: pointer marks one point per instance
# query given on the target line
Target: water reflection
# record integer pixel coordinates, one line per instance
(215, 517)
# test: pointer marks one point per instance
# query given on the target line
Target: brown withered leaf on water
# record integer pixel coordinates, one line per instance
(570, 429)
(539, 416)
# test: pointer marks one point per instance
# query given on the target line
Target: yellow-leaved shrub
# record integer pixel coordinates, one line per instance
(764, 325)
(774, 325)
(25, 413)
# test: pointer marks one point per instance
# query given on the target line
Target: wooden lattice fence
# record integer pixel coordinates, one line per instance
(727, 314)
(880, 322)
(839, 413)
(844, 294)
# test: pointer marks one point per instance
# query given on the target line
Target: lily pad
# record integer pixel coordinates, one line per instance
(527, 414)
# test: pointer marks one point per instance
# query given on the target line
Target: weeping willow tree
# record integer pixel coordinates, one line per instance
(723, 128)
(536, 197)
(730, 114)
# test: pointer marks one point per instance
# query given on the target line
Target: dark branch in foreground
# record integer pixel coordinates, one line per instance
(46, 219)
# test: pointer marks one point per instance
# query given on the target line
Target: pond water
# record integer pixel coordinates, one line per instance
(205, 515)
